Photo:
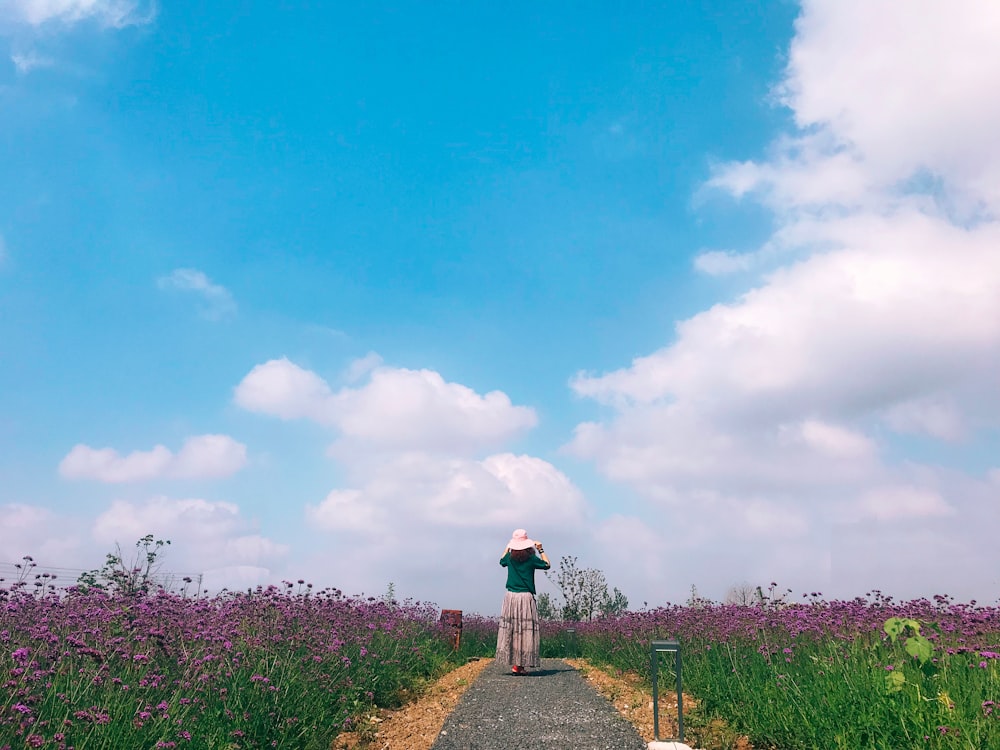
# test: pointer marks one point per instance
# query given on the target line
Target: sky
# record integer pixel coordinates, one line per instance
(703, 294)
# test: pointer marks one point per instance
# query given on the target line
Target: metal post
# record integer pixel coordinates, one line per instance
(655, 648)
(656, 693)
(569, 646)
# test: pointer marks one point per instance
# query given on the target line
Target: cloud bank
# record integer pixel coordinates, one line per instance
(212, 540)
(422, 494)
(396, 409)
(201, 457)
(777, 424)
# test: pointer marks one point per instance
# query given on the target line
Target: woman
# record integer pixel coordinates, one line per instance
(517, 640)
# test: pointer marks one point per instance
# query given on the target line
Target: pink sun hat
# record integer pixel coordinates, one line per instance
(519, 540)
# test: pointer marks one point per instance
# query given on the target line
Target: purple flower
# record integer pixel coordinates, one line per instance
(21, 655)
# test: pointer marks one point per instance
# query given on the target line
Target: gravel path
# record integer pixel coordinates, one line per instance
(550, 707)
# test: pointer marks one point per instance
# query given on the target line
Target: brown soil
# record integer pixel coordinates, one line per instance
(635, 703)
(417, 724)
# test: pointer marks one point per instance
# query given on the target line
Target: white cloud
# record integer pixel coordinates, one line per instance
(204, 535)
(837, 442)
(883, 96)
(905, 91)
(396, 409)
(719, 262)
(209, 538)
(216, 301)
(38, 532)
(418, 519)
(201, 457)
(869, 325)
(282, 389)
(417, 496)
(29, 60)
(937, 417)
(891, 503)
(878, 314)
(415, 489)
(110, 13)
(209, 456)
(347, 510)
(362, 366)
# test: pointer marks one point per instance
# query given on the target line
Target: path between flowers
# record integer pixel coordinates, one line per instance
(481, 707)
(549, 707)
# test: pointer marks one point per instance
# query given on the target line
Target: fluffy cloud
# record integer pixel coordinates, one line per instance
(204, 535)
(396, 409)
(877, 313)
(211, 539)
(883, 98)
(872, 324)
(904, 92)
(890, 503)
(415, 489)
(418, 500)
(202, 456)
(216, 301)
(112, 13)
(414, 518)
(38, 532)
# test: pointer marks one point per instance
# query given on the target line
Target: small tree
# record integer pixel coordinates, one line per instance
(615, 604)
(744, 595)
(594, 594)
(129, 578)
(569, 579)
(389, 597)
(546, 609)
(585, 592)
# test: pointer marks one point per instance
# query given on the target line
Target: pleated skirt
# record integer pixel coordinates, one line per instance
(518, 637)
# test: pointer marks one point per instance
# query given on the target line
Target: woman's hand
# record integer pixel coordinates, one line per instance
(541, 553)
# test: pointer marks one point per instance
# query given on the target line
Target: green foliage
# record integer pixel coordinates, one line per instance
(389, 597)
(916, 645)
(128, 578)
(885, 688)
(614, 604)
(585, 593)
(546, 609)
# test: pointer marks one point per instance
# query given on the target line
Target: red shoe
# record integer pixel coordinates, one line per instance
(517, 670)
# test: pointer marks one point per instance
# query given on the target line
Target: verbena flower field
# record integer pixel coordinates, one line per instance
(273, 667)
(288, 667)
(824, 674)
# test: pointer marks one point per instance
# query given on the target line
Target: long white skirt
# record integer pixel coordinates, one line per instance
(518, 638)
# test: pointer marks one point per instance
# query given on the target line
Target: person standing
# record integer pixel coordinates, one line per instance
(518, 636)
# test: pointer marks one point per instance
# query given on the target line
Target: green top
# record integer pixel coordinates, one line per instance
(521, 575)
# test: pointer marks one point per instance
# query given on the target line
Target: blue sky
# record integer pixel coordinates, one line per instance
(348, 294)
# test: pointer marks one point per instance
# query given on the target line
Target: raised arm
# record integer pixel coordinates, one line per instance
(541, 553)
